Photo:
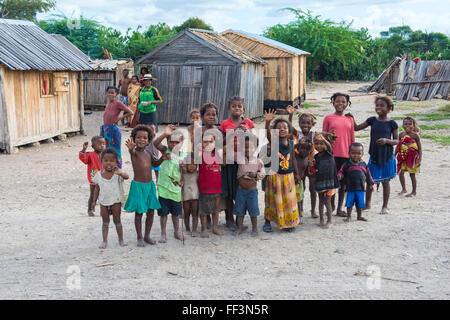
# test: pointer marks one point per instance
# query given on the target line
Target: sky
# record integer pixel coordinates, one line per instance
(256, 15)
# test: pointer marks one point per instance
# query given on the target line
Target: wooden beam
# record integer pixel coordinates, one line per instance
(4, 123)
(420, 82)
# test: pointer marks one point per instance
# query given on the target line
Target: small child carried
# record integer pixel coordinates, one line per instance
(189, 178)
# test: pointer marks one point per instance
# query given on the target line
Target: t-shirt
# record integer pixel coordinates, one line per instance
(94, 164)
(146, 95)
(326, 175)
(286, 157)
(344, 128)
(381, 129)
(112, 112)
(209, 176)
(170, 171)
(355, 175)
(228, 124)
(111, 191)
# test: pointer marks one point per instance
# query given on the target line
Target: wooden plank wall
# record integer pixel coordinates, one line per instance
(278, 79)
(251, 89)
(119, 70)
(4, 129)
(94, 86)
(32, 117)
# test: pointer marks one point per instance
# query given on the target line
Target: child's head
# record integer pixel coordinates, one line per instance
(306, 121)
(111, 93)
(319, 143)
(125, 73)
(236, 107)
(190, 163)
(109, 158)
(144, 70)
(174, 140)
(142, 135)
(194, 115)
(383, 105)
(284, 127)
(340, 101)
(303, 147)
(98, 143)
(208, 143)
(410, 125)
(209, 113)
(134, 79)
(356, 151)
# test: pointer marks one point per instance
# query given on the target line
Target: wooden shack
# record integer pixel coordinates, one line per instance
(40, 86)
(199, 66)
(285, 71)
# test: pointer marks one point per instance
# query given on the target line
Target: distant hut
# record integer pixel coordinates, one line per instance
(199, 66)
(41, 92)
(285, 71)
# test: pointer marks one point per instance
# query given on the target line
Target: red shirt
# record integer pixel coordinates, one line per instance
(209, 177)
(94, 164)
(228, 124)
(344, 128)
(112, 112)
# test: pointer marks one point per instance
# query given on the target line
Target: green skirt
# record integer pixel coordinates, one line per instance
(142, 197)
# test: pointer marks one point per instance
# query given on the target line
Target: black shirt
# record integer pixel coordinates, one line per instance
(381, 129)
(355, 175)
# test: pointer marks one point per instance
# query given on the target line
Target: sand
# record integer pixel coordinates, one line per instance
(49, 247)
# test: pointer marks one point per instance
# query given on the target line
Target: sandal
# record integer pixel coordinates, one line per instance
(267, 228)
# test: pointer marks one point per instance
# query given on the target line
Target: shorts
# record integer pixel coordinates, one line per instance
(169, 206)
(246, 200)
(142, 197)
(355, 197)
(148, 119)
(123, 99)
(207, 203)
(156, 168)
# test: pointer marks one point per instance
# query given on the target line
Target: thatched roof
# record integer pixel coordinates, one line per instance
(107, 64)
(25, 46)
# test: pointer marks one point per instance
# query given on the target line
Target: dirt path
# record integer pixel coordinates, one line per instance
(47, 237)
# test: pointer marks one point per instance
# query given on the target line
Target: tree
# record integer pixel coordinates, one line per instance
(194, 23)
(24, 9)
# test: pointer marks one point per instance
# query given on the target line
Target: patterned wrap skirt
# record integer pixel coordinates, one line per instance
(281, 200)
(113, 137)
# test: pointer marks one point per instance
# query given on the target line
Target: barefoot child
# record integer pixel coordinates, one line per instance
(169, 182)
(383, 136)
(109, 192)
(409, 154)
(196, 121)
(355, 173)
(280, 195)
(343, 127)
(247, 194)
(326, 176)
(94, 164)
(302, 150)
(142, 196)
(189, 177)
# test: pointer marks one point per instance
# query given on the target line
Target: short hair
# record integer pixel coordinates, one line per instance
(235, 98)
(357, 145)
(193, 111)
(125, 70)
(386, 99)
(279, 120)
(95, 138)
(340, 94)
(110, 151)
(112, 87)
(143, 68)
(304, 115)
(135, 76)
(142, 127)
(206, 106)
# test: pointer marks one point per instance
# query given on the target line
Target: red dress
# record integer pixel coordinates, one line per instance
(209, 177)
(94, 164)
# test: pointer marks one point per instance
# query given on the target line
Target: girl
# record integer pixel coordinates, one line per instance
(196, 121)
(326, 176)
(343, 127)
(189, 177)
(142, 196)
(383, 136)
(109, 192)
(302, 150)
(409, 154)
(133, 98)
(229, 172)
(111, 117)
(280, 194)
(306, 122)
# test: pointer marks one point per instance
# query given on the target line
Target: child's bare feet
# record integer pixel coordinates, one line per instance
(412, 194)
(216, 231)
(163, 238)
(178, 236)
(150, 241)
(194, 234)
(402, 192)
(327, 225)
(91, 213)
(231, 225)
(204, 234)
(254, 233)
(384, 211)
(348, 219)
(140, 242)
(103, 245)
(314, 215)
(341, 213)
(122, 243)
(366, 208)
(361, 219)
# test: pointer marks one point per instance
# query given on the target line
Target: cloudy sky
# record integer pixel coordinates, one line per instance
(256, 15)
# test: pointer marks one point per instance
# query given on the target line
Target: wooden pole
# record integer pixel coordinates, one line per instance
(420, 82)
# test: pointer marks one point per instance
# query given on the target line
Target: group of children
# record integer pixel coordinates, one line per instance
(209, 178)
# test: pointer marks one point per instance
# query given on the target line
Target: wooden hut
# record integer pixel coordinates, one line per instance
(285, 71)
(40, 86)
(199, 66)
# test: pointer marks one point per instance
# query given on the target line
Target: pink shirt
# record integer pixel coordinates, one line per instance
(112, 112)
(344, 128)
(209, 177)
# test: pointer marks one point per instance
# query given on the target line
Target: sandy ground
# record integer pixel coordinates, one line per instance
(47, 237)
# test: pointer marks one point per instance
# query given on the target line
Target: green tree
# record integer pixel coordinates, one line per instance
(24, 9)
(194, 23)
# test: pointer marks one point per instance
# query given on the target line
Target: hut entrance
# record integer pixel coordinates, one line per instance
(95, 84)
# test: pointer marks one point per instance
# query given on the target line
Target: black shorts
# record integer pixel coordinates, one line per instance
(149, 118)
(169, 206)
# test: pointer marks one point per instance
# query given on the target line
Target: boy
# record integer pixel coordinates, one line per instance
(123, 88)
(355, 173)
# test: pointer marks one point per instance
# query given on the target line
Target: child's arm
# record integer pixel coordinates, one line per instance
(94, 200)
(329, 148)
(341, 173)
(290, 109)
(126, 112)
(270, 115)
(83, 155)
(157, 163)
(419, 147)
(392, 142)
(131, 147)
(120, 173)
(369, 179)
(157, 143)
(357, 127)
(296, 172)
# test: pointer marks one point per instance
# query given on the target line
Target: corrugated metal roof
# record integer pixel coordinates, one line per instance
(25, 46)
(270, 42)
(69, 45)
(107, 64)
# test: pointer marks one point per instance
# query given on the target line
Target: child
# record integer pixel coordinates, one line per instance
(383, 136)
(189, 177)
(123, 88)
(247, 194)
(142, 196)
(280, 194)
(302, 150)
(111, 117)
(326, 176)
(409, 154)
(355, 173)
(94, 164)
(229, 180)
(344, 129)
(109, 192)
(133, 99)
(169, 183)
(306, 122)
(196, 120)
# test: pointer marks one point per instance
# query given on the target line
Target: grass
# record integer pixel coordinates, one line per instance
(307, 105)
(411, 105)
(430, 116)
(445, 108)
(437, 126)
(443, 140)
